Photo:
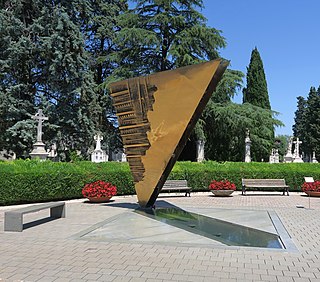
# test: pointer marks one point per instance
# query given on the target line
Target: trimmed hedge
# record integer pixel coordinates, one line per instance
(199, 175)
(34, 181)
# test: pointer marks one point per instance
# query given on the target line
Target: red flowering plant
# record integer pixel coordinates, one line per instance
(99, 189)
(222, 185)
(311, 186)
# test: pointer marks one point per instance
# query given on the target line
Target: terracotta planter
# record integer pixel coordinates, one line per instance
(313, 193)
(222, 193)
(99, 199)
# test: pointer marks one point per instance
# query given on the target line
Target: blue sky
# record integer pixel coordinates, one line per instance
(286, 34)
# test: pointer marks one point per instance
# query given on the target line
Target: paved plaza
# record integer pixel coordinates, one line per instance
(104, 242)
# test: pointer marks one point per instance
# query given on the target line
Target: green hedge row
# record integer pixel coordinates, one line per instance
(35, 181)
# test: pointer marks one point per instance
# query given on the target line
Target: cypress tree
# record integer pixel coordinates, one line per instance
(300, 116)
(256, 92)
(311, 130)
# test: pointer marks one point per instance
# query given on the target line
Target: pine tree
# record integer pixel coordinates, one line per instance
(100, 30)
(163, 35)
(44, 64)
(226, 125)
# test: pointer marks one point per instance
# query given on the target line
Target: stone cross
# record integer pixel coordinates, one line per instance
(296, 149)
(98, 138)
(40, 117)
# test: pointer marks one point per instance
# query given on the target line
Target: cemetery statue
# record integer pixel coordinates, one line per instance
(200, 150)
(247, 157)
(288, 157)
(156, 115)
(39, 147)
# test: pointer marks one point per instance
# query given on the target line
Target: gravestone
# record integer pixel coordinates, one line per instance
(247, 158)
(296, 155)
(119, 155)
(123, 157)
(52, 152)
(314, 160)
(7, 155)
(274, 157)
(39, 147)
(98, 155)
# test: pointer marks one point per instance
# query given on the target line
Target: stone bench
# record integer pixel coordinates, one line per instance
(265, 183)
(176, 186)
(13, 220)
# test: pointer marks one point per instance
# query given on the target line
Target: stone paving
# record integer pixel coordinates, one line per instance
(50, 251)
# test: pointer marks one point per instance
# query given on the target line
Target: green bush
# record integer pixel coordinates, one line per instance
(34, 181)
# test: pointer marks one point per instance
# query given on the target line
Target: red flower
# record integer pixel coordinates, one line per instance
(99, 189)
(311, 186)
(222, 185)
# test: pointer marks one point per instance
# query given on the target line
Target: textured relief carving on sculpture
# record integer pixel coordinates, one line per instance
(156, 115)
(132, 101)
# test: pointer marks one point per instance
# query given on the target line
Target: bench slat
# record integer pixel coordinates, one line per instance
(176, 185)
(264, 183)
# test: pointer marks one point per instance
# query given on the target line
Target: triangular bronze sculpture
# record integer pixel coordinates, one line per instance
(156, 115)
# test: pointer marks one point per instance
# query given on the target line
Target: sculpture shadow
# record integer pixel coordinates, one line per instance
(161, 203)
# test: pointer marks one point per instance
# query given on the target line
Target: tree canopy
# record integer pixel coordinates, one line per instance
(256, 91)
(256, 94)
(307, 122)
(61, 55)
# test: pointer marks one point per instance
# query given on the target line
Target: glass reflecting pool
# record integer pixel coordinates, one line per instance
(225, 232)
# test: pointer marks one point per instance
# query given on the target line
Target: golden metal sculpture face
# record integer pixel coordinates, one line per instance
(156, 115)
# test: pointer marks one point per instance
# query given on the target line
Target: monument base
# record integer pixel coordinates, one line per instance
(298, 160)
(287, 159)
(39, 151)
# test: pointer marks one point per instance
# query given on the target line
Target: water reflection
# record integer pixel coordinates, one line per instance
(225, 232)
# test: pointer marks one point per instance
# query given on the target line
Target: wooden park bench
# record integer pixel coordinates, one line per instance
(13, 220)
(176, 186)
(265, 183)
